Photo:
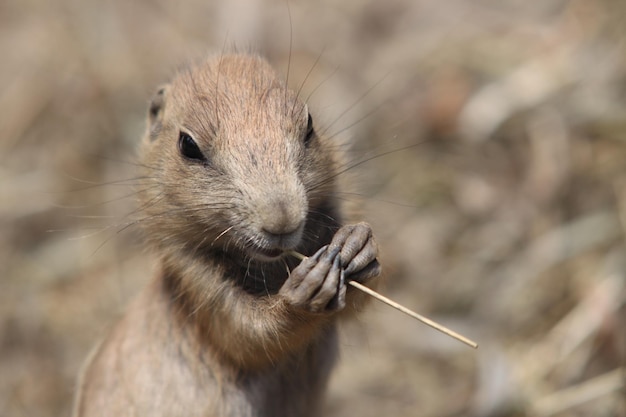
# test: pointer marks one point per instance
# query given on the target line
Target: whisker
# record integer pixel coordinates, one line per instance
(217, 83)
(306, 77)
(289, 58)
(357, 101)
(349, 166)
(134, 162)
(358, 197)
(357, 121)
(127, 182)
(222, 234)
(317, 87)
(103, 203)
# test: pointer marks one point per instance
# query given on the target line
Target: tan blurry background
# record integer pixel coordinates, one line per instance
(505, 221)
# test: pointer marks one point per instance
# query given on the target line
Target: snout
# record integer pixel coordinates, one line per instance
(275, 218)
(281, 220)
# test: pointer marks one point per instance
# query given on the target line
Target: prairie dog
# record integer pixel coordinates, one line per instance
(234, 177)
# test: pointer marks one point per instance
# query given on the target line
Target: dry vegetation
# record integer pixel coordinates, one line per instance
(504, 218)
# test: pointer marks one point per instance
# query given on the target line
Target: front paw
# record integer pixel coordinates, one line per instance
(358, 251)
(317, 285)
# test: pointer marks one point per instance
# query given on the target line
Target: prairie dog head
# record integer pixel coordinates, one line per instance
(232, 162)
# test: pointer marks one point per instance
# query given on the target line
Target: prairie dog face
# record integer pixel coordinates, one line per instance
(232, 162)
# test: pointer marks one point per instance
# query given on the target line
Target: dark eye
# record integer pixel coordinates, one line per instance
(310, 132)
(188, 147)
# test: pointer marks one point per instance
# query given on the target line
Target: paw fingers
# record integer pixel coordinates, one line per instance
(364, 257)
(351, 240)
(328, 290)
(309, 278)
(358, 247)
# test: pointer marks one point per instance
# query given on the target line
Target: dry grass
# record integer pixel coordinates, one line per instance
(506, 221)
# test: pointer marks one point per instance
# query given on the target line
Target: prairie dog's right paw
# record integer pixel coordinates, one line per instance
(317, 285)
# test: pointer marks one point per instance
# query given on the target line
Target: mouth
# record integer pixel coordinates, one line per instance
(266, 254)
(271, 248)
(263, 251)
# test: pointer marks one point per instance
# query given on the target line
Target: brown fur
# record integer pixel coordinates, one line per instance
(224, 329)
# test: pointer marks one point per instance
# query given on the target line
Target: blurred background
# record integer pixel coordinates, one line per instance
(492, 135)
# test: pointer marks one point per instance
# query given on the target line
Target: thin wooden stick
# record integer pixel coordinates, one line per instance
(403, 309)
(413, 314)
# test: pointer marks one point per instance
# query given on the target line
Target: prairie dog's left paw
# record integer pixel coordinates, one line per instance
(358, 251)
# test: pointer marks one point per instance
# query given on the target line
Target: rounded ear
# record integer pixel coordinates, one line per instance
(157, 103)
(155, 111)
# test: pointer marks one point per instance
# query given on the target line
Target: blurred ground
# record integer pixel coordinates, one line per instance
(504, 220)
